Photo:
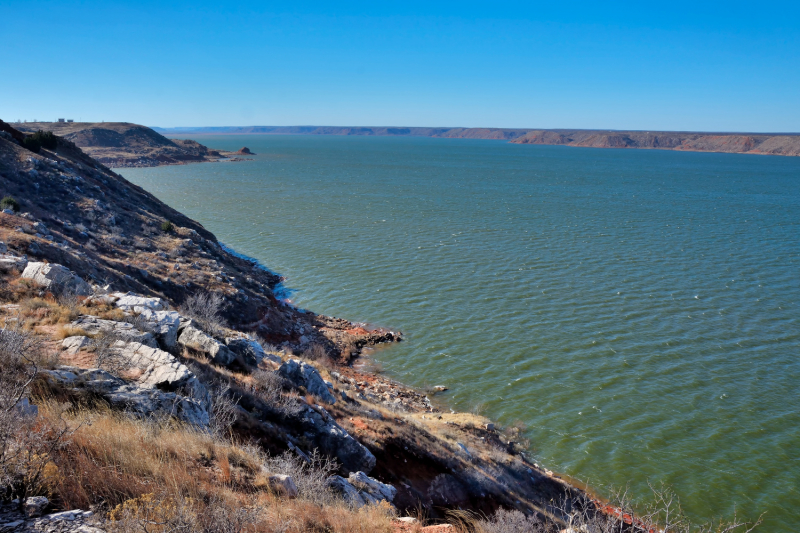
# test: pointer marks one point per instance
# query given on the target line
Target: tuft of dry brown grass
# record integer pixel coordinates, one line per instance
(64, 331)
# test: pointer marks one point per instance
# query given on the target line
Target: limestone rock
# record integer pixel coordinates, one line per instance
(144, 402)
(136, 398)
(56, 278)
(359, 489)
(250, 350)
(348, 492)
(137, 304)
(186, 322)
(75, 521)
(122, 330)
(197, 340)
(12, 262)
(162, 370)
(372, 488)
(35, 505)
(332, 439)
(163, 324)
(304, 375)
(76, 343)
(283, 484)
(92, 380)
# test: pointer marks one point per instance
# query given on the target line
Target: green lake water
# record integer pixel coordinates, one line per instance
(636, 310)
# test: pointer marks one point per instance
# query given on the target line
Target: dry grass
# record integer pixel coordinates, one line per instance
(111, 459)
(64, 331)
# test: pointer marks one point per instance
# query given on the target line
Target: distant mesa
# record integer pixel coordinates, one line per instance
(244, 151)
(731, 142)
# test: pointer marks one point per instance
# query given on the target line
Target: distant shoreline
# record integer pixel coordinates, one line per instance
(786, 144)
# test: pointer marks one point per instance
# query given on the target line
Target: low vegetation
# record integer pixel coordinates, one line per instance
(206, 308)
(41, 139)
(9, 202)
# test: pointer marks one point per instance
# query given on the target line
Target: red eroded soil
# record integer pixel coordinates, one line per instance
(357, 331)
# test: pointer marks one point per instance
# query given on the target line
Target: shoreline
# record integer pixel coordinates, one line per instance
(784, 144)
(99, 227)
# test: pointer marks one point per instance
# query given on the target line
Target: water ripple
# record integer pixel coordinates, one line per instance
(637, 310)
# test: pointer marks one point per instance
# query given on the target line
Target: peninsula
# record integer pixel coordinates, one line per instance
(121, 144)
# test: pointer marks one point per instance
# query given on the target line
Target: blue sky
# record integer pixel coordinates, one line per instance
(712, 66)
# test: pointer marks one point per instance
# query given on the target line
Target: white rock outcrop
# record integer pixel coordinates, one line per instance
(250, 350)
(122, 330)
(35, 505)
(163, 324)
(359, 489)
(371, 488)
(76, 343)
(200, 341)
(135, 303)
(135, 398)
(304, 375)
(12, 262)
(161, 370)
(56, 278)
(332, 439)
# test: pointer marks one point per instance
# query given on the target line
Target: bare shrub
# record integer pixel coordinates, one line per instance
(311, 477)
(108, 356)
(271, 388)
(206, 308)
(621, 515)
(26, 442)
(69, 300)
(218, 516)
(17, 365)
(223, 410)
(579, 515)
(138, 321)
(316, 352)
(504, 521)
(267, 346)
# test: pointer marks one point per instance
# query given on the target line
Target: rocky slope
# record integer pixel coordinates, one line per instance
(120, 144)
(108, 279)
(749, 143)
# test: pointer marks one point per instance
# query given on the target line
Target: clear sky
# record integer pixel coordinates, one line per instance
(680, 65)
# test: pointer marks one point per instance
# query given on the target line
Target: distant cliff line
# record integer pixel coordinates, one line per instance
(744, 143)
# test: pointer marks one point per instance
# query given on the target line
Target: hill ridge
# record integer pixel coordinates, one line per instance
(787, 144)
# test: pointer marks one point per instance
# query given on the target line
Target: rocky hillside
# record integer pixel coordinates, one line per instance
(151, 381)
(745, 143)
(131, 314)
(77, 212)
(121, 144)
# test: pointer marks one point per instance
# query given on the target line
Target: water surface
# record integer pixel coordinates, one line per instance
(636, 310)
